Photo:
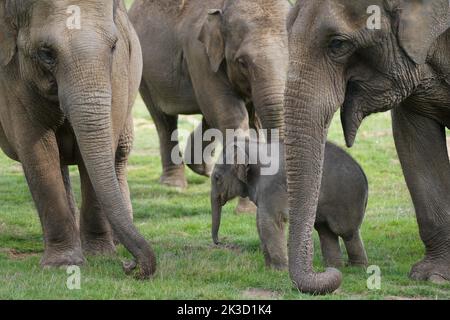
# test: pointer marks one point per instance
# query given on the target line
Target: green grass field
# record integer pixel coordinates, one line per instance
(178, 226)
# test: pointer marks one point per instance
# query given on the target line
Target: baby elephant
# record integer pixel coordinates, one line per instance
(340, 212)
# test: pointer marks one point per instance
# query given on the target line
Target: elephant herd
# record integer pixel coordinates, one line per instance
(66, 95)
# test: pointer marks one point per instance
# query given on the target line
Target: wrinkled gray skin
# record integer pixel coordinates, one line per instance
(65, 99)
(336, 61)
(216, 58)
(340, 212)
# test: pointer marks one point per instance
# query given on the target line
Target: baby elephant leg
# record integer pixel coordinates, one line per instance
(329, 243)
(355, 249)
(271, 229)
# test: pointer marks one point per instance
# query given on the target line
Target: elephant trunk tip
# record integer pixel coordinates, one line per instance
(215, 239)
(319, 283)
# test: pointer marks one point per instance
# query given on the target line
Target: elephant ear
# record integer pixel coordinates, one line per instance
(241, 163)
(212, 39)
(421, 23)
(7, 36)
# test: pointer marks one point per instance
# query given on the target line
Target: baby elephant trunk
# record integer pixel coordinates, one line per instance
(216, 207)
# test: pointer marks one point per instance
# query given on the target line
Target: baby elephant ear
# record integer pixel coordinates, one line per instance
(421, 23)
(212, 39)
(7, 37)
(241, 163)
(242, 172)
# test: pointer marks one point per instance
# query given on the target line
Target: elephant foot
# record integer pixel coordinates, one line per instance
(54, 258)
(361, 262)
(201, 169)
(174, 178)
(435, 271)
(245, 206)
(275, 261)
(279, 266)
(103, 245)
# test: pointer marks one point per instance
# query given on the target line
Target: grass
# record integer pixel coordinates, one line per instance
(178, 225)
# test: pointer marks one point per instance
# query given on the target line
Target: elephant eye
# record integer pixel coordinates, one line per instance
(339, 48)
(47, 56)
(243, 63)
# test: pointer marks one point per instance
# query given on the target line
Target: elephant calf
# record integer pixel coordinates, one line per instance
(340, 212)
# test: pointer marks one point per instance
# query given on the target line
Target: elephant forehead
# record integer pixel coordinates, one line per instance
(96, 8)
(356, 11)
(258, 10)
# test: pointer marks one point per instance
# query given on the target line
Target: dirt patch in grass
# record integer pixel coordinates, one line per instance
(260, 294)
(18, 255)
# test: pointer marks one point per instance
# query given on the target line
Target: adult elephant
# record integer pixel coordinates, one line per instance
(216, 58)
(403, 66)
(68, 78)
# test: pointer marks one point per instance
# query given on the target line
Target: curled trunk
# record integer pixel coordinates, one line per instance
(86, 98)
(307, 117)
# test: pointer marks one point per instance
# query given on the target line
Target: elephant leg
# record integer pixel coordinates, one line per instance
(355, 250)
(173, 173)
(271, 230)
(69, 191)
(96, 232)
(421, 146)
(194, 156)
(43, 172)
(329, 244)
(245, 205)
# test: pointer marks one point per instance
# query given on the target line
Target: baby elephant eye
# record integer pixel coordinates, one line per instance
(340, 47)
(46, 56)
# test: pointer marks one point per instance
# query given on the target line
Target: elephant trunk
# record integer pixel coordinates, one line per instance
(86, 99)
(308, 114)
(216, 207)
(268, 100)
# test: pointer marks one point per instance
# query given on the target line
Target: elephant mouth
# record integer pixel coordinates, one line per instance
(53, 89)
(48, 88)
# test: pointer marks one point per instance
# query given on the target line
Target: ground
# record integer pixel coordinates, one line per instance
(178, 225)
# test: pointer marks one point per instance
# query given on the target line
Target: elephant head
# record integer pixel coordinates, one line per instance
(337, 61)
(228, 181)
(248, 39)
(64, 51)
